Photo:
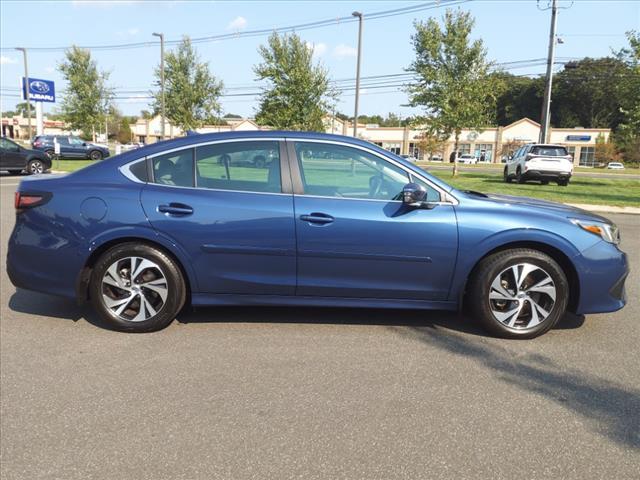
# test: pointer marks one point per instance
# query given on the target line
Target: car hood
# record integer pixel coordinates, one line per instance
(540, 205)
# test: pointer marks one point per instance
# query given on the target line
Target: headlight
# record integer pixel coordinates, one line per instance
(607, 231)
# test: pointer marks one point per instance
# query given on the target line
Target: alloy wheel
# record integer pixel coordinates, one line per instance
(522, 296)
(36, 167)
(134, 289)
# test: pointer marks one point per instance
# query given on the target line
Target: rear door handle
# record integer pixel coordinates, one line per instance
(176, 209)
(321, 218)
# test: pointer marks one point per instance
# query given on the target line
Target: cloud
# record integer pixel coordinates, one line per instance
(237, 23)
(129, 32)
(319, 49)
(344, 51)
(7, 60)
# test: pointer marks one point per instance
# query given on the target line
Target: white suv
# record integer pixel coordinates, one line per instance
(540, 162)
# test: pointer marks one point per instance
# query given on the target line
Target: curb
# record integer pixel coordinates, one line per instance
(606, 208)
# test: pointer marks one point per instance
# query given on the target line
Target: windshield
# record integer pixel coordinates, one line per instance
(550, 151)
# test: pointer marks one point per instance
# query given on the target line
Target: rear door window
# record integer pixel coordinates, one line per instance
(249, 166)
(174, 169)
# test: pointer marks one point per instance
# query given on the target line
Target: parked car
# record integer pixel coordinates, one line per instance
(16, 158)
(615, 166)
(468, 159)
(156, 228)
(436, 157)
(540, 162)
(70, 147)
(409, 158)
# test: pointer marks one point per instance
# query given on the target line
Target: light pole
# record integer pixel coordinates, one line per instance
(355, 114)
(546, 105)
(26, 86)
(161, 81)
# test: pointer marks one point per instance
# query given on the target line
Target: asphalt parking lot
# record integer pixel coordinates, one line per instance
(280, 393)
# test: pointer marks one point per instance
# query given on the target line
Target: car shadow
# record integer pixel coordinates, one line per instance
(34, 303)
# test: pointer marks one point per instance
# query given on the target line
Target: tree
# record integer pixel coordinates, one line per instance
(605, 151)
(627, 135)
(517, 97)
(87, 97)
(430, 145)
(191, 90)
(453, 83)
(298, 94)
(146, 114)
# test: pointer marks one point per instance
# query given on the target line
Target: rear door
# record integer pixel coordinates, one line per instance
(355, 238)
(234, 220)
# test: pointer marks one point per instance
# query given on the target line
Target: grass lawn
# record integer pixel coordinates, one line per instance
(70, 165)
(596, 191)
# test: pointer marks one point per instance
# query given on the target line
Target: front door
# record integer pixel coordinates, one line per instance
(355, 236)
(10, 156)
(230, 217)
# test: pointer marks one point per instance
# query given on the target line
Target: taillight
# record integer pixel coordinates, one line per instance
(24, 200)
(37, 143)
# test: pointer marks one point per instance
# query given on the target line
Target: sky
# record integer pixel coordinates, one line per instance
(512, 30)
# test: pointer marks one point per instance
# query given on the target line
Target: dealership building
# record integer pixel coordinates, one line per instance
(491, 144)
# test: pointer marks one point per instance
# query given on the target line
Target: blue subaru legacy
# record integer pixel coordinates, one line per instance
(304, 219)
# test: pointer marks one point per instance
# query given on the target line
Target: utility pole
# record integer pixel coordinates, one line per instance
(355, 114)
(546, 105)
(161, 81)
(26, 87)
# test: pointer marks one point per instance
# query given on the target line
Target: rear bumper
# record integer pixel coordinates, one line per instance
(546, 175)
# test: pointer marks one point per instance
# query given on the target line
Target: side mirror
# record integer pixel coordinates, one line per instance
(413, 194)
(84, 144)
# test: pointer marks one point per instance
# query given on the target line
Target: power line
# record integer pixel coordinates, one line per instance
(265, 31)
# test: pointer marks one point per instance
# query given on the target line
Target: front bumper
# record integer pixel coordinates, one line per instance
(602, 271)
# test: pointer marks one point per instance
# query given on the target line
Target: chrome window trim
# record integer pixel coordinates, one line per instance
(443, 193)
(126, 170)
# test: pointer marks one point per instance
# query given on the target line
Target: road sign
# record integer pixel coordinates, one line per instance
(39, 90)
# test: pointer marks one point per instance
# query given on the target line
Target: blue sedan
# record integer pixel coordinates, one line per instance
(304, 219)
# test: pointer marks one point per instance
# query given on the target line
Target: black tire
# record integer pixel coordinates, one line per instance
(519, 176)
(259, 162)
(479, 287)
(95, 155)
(50, 153)
(36, 166)
(506, 176)
(176, 289)
(563, 182)
(15, 172)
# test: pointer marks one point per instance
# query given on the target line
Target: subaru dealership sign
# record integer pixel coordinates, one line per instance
(39, 90)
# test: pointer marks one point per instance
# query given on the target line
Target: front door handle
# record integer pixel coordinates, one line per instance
(176, 209)
(321, 218)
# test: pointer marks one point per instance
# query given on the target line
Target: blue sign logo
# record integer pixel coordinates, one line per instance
(40, 90)
(578, 138)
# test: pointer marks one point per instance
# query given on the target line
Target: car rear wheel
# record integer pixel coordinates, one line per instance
(50, 153)
(563, 182)
(35, 167)
(137, 288)
(95, 155)
(518, 293)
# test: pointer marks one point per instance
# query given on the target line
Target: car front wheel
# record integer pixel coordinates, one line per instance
(518, 293)
(95, 155)
(506, 176)
(137, 288)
